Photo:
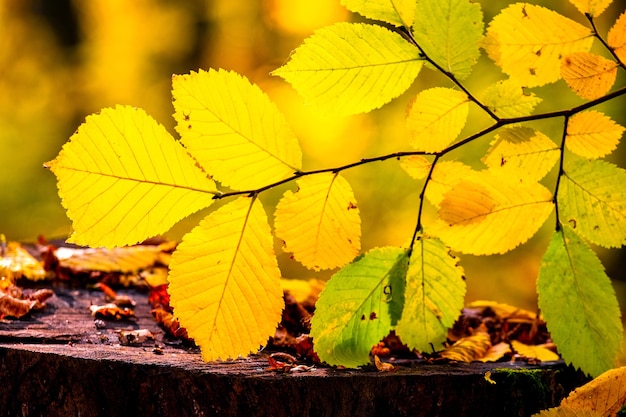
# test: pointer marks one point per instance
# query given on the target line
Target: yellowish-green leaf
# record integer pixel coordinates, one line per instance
(534, 351)
(359, 306)
(592, 134)
(123, 178)
(592, 200)
(233, 129)
(529, 41)
(351, 68)
(617, 38)
(449, 32)
(320, 222)
(605, 395)
(446, 175)
(589, 75)
(485, 214)
(593, 8)
(522, 152)
(436, 118)
(396, 12)
(224, 281)
(579, 304)
(435, 291)
(507, 99)
(416, 166)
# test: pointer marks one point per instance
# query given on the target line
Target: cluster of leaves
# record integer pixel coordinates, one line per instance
(122, 178)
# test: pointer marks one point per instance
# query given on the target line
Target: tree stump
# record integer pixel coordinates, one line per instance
(58, 363)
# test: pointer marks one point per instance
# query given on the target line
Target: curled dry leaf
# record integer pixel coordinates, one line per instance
(13, 303)
(135, 337)
(111, 311)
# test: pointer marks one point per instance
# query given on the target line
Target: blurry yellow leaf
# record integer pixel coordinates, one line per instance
(299, 17)
(617, 38)
(468, 349)
(446, 175)
(351, 68)
(605, 395)
(523, 153)
(486, 214)
(416, 166)
(536, 352)
(16, 262)
(496, 352)
(303, 290)
(593, 8)
(224, 281)
(589, 75)
(504, 311)
(436, 118)
(507, 99)
(233, 129)
(592, 134)
(320, 222)
(126, 259)
(488, 377)
(528, 42)
(123, 179)
(396, 12)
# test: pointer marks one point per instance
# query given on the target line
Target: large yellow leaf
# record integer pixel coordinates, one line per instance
(446, 175)
(485, 214)
(589, 75)
(123, 178)
(224, 281)
(523, 153)
(617, 38)
(507, 99)
(592, 134)
(233, 129)
(320, 222)
(528, 42)
(436, 118)
(416, 166)
(396, 12)
(591, 7)
(350, 68)
(606, 394)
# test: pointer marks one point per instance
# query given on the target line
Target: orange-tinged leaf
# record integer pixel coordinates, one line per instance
(496, 352)
(617, 38)
(589, 75)
(233, 129)
(605, 395)
(436, 118)
(320, 222)
(592, 134)
(224, 281)
(534, 351)
(486, 214)
(446, 175)
(468, 349)
(523, 153)
(123, 179)
(416, 166)
(566, 412)
(592, 8)
(528, 42)
(16, 262)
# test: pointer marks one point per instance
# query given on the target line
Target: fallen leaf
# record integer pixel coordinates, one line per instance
(605, 395)
(16, 262)
(469, 348)
(135, 337)
(111, 311)
(383, 366)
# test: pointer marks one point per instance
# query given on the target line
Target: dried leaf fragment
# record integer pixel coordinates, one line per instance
(135, 337)
(111, 311)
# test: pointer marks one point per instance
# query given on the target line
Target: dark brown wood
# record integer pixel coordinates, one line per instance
(58, 363)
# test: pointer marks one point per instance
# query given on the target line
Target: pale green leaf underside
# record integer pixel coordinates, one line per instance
(224, 281)
(449, 32)
(579, 304)
(592, 199)
(123, 178)
(233, 129)
(396, 12)
(358, 307)
(351, 68)
(507, 99)
(435, 292)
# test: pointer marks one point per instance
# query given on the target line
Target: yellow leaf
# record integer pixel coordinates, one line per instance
(488, 378)
(496, 352)
(416, 166)
(534, 351)
(485, 214)
(468, 349)
(16, 262)
(592, 8)
(383, 366)
(446, 175)
(505, 311)
(233, 129)
(320, 222)
(606, 394)
(528, 42)
(592, 134)
(303, 290)
(508, 99)
(589, 75)
(436, 118)
(523, 153)
(126, 259)
(396, 12)
(224, 281)
(123, 178)
(617, 38)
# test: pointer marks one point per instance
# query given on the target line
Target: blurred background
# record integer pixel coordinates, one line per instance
(61, 60)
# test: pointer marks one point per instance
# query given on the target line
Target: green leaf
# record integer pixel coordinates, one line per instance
(359, 306)
(435, 291)
(592, 200)
(507, 99)
(351, 68)
(579, 304)
(396, 12)
(449, 32)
